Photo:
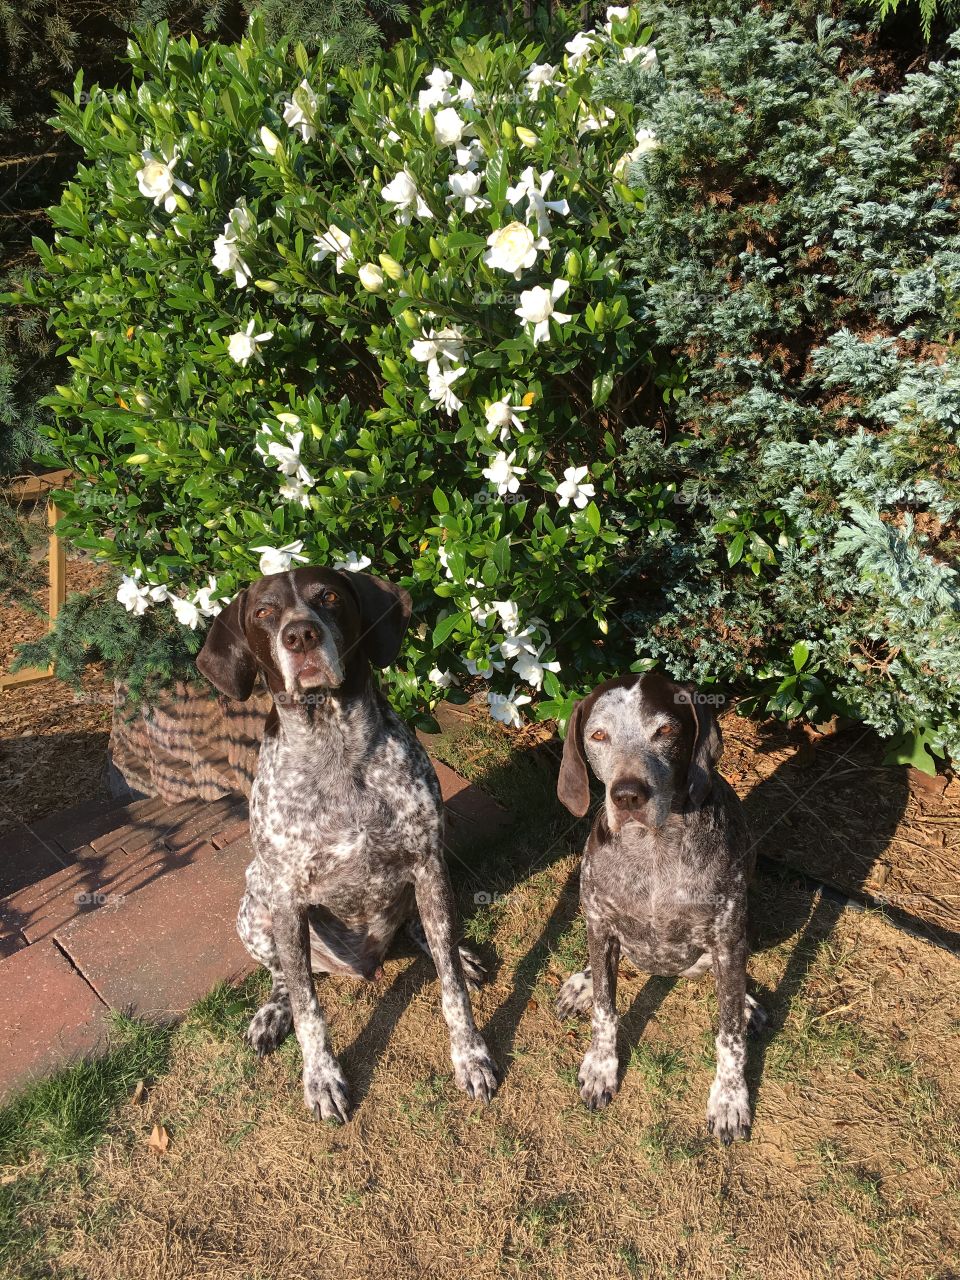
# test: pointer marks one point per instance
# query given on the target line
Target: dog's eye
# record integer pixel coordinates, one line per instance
(265, 612)
(329, 597)
(599, 736)
(666, 731)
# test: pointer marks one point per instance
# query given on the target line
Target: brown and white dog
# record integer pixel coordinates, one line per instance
(346, 817)
(664, 875)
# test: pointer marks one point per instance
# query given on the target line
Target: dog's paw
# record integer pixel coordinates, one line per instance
(756, 1016)
(325, 1091)
(269, 1027)
(598, 1079)
(473, 970)
(728, 1112)
(474, 1069)
(576, 995)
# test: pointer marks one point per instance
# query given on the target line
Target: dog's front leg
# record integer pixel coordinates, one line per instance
(473, 1068)
(324, 1087)
(598, 1071)
(728, 1110)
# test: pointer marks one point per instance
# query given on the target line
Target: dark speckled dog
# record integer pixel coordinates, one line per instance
(665, 873)
(346, 817)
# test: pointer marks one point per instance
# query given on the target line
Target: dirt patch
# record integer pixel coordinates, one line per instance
(855, 1156)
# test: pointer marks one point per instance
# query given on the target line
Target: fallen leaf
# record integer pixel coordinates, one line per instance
(159, 1140)
(140, 1092)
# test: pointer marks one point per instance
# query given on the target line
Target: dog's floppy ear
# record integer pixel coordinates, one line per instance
(225, 658)
(384, 616)
(573, 784)
(705, 750)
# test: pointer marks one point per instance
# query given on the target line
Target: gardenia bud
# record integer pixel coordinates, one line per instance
(391, 267)
(371, 277)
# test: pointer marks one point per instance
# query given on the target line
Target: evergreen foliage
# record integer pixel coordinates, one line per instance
(799, 246)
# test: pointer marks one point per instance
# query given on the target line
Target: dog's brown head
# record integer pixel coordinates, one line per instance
(653, 743)
(307, 629)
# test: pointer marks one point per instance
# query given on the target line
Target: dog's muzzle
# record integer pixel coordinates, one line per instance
(629, 798)
(309, 654)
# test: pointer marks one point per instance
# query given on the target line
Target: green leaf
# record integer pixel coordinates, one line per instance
(801, 652)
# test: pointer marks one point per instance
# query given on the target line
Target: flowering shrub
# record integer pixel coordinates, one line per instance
(366, 317)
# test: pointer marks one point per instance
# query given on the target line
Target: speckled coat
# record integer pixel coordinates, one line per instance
(665, 872)
(346, 817)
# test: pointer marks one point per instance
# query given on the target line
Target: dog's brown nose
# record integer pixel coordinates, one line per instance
(300, 636)
(629, 793)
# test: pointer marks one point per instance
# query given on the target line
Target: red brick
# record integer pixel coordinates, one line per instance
(26, 858)
(160, 949)
(136, 817)
(73, 828)
(227, 836)
(48, 1016)
(472, 815)
(42, 908)
(211, 817)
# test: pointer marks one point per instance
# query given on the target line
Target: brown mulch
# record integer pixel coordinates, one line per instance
(828, 806)
(53, 739)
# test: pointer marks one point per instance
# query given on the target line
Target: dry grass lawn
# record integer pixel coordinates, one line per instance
(853, 1169)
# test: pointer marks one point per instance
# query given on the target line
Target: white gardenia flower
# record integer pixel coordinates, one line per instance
(464, 186)
(540, 75)
(646, 141)
(501, 415)
(533, 190)
(537, 308)
(520, 642)
(442, 679)
(531, 670)
(371, 277)
(572, 489)
(442, 344)
(402, 193)
(160, 593)
(509, 613)
(158, 183)
(646, 52)
(186, 612)
(301, 111)
(354, 562)
(470, 155)
(579, 49)
(335, 241)
(226, 258)
(205, 601)
(440, 386)
(443, 555)
(279, 559)
(504, 473)
(513, 248)
(297, 488)
(133, 594)
(287, 455)
(616, 13)
(590, 122)
(245, 346)
(493, 664)
(506, 707)
(439, 91)
(448, 127)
